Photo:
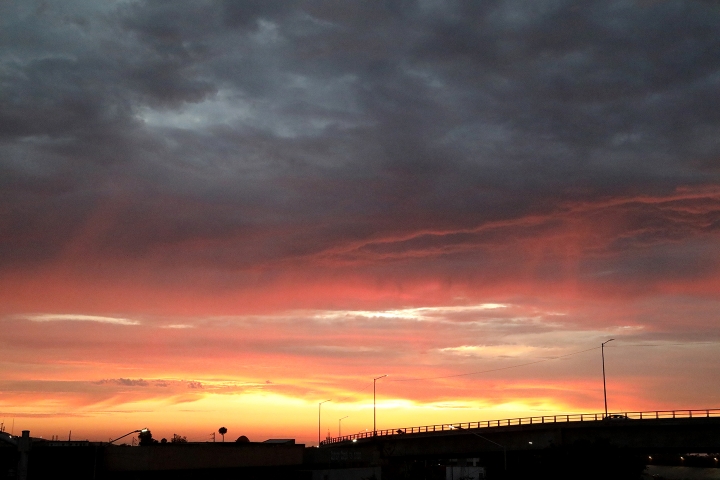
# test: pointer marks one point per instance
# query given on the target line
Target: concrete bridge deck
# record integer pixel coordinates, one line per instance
(654, 431)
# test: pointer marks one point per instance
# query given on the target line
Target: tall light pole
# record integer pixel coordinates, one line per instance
(374, 414)
(319, 405)
(602, 352)
(340, 425)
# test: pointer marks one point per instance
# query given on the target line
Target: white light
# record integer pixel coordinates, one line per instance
(354, 440)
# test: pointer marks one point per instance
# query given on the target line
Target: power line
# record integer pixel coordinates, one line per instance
(543, 360)
(353, 394)
(661, 344)
(491, 370)
(415, 379)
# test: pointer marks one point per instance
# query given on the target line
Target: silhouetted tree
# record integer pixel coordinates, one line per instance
(242, 439)
(178, 439)
(145, 438)
(222, 431)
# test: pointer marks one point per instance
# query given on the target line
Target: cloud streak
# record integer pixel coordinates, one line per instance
(54, 317)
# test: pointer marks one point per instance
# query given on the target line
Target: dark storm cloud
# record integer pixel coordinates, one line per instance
(268, 130)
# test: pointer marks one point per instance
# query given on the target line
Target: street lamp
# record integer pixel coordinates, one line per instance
(374, 414)
(452, 427)
(602, 352)
(319, 405)
(340, 425)
(143, 430)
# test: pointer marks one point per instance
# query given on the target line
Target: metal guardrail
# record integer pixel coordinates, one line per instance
(575, 417)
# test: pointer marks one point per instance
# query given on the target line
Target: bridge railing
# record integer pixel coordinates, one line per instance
(573, 417)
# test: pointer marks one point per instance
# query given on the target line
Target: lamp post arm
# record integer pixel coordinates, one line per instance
(479, 436)
(494, 443)
(129, 433)
(488, 440)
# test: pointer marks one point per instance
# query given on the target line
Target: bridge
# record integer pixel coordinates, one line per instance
(665, 419)
(516, 440)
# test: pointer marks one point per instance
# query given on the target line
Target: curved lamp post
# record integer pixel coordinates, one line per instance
(602, 352)
(143, 430)
(319, 405)
(374, 415)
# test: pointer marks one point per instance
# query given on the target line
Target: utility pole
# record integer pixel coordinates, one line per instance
(602, 352)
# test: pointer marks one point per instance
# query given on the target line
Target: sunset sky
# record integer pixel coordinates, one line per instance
(222, 212)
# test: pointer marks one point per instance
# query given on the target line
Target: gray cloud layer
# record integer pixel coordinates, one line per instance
(274, 130)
